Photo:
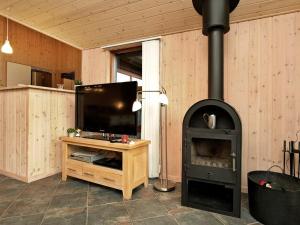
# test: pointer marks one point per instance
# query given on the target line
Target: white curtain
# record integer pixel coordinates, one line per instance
(151, 107)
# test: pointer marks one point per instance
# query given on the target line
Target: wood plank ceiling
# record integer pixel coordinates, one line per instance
(93, 23)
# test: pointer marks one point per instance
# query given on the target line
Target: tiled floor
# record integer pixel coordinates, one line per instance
(53, 202)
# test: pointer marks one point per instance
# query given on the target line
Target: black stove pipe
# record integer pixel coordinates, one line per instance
(215, 24)
(216, 64)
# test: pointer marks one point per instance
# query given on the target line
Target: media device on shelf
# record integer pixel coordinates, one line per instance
(106, 108)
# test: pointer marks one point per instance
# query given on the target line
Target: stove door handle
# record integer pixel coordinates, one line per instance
(233, 155)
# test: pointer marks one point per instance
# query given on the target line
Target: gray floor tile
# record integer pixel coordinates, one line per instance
(10, 183)
(168, 195)
(66, 217)
(145, 208)
(2, 178)
(245, 219)
(99, 188)
(244, 201)
(22, 207)
(10, 194)
(227, 220)
(48, 181)
(245, 215)
(98, 198)
(162, 220)
(72, 186)
(22, 220)
(196, 217)
(37, 191)
(115, 213)
(143, 193)
(10, 189)
(173, 205)
(4, 206)
(67, 201)
(76, 200)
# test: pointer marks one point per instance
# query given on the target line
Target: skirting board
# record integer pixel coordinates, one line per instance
(11, 175)
(24, 179)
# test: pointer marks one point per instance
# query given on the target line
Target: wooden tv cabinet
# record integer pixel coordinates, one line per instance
(134, 164)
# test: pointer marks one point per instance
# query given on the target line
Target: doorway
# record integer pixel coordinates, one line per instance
(141, 63)
(128, 66)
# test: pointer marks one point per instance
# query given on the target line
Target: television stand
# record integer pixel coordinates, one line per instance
(133, 173)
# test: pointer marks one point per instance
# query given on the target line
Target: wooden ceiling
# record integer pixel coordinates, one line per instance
(93, 23)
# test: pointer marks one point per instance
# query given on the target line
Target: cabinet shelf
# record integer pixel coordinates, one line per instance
(86, 164)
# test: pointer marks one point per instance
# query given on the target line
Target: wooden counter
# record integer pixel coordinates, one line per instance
(22, 86)
(31, 121)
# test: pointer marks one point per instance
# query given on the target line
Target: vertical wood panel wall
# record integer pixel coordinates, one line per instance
(35, 49)
(262, 80)
(262, 73)
(96, 66)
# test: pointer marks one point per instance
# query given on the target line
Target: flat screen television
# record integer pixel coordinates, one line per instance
(107, 108)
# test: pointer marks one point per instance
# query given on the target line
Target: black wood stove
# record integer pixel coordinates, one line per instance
(212, 130)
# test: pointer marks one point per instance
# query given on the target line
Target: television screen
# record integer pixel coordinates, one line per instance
(107, 108)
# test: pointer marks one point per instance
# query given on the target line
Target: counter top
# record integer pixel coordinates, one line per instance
(21, 86)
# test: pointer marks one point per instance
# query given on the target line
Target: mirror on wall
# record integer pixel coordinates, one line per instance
(29, 75)
(17, 74)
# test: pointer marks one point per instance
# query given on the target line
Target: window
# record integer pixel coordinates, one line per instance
(122, 77)
(140, 81)
(129, 66)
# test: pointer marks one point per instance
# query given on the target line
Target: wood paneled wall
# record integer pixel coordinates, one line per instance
(262, 73)
(96, 66)
(262, 80)
(35, 49)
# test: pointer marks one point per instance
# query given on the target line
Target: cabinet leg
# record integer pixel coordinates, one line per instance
(127, 194)
(64, 177)
(146, 183)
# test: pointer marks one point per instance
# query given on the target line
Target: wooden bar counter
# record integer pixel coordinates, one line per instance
(32, 119)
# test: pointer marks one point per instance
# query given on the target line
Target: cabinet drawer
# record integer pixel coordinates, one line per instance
(89, 173)
(73, 169)
(101, 176)
(110, 178)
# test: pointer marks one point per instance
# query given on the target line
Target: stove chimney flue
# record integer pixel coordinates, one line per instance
(215, 24)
